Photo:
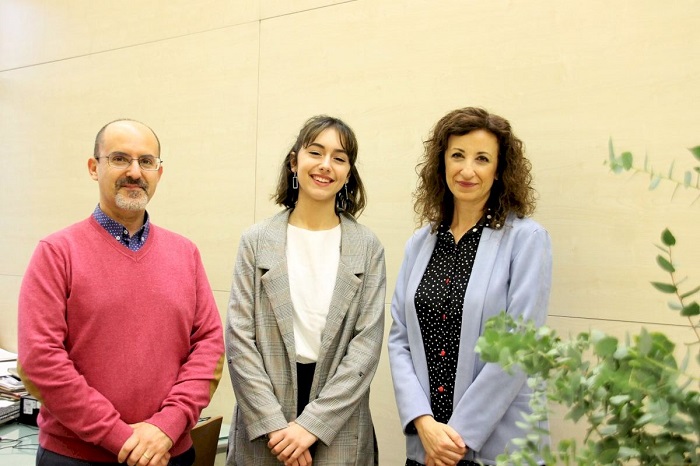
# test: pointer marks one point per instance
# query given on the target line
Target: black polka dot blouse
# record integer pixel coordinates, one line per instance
(439, 300)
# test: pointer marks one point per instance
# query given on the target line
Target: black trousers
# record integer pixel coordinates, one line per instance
(305, 377)
(461, 463)
(49, 458)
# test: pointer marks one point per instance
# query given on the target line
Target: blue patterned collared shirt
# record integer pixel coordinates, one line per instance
(120, 233)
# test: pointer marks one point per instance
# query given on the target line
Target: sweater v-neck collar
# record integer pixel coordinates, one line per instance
(135, 255)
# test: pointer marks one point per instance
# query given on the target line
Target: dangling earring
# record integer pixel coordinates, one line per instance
(295, 181)
(342, 198)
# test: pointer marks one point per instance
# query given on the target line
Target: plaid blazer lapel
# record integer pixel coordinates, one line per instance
(275, 279)
(352, 259)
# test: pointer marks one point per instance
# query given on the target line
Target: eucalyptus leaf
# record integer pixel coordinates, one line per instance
(611, 152)
(691, 310)
(685, 362)
(626, 160)
(667, 238)
(606, 347)
(621, 353)
(695, 151)
(644, 419)
(626, 453)
(664, 287)
(665, 264)
(619, 399)
(674, 306)
(597, 335)
(608, 429)
(644, 342)
(690, 293)
(654, 183)
(608, 455)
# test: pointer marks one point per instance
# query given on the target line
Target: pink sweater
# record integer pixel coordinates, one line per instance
(110, 337)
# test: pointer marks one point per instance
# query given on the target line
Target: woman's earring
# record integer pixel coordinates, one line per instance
(342, 198)
(295, 181)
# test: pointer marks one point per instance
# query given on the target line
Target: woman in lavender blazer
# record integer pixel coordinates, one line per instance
(477, 255)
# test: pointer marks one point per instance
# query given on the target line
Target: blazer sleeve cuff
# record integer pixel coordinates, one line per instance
(264, 426)
(316, 426)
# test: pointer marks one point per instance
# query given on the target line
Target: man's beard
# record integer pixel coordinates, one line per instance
(137, 200)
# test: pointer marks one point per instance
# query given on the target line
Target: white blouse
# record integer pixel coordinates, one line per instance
(312, 264)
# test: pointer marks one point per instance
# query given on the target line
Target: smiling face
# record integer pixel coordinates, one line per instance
(322, 169)
(128, 189)
(471, 161)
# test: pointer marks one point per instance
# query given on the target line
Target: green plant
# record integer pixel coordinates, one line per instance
(640, 405)
(625, 163)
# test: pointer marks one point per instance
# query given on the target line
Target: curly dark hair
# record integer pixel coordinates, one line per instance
(356, 198)
(511, 192)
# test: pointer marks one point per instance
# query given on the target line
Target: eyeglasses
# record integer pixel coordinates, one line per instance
(121, 161)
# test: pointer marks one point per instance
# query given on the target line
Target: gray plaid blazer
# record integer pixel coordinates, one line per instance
(262, 357)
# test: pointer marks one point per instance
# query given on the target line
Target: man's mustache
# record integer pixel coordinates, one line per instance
(121, 182)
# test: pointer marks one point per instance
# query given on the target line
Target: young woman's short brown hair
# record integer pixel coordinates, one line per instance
(356, 199)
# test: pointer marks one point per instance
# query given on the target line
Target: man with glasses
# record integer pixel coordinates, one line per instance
(119, 335)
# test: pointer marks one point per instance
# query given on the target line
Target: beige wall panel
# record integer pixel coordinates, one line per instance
(60, 29)
(272, 8)
(223, 400)
(568, 76)
(387, 425)
(9, 290)
(201, 104)
(299, 78)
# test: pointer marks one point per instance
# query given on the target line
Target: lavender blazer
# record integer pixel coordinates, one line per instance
(262, 357)
(512, 272)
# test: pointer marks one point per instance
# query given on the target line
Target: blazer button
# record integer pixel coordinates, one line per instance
(441, 389)
(442, 353)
